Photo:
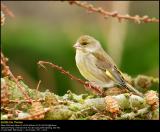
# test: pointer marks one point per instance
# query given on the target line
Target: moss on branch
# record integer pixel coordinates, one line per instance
(49, 106)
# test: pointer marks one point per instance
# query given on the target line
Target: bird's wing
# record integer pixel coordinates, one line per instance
(105, 63)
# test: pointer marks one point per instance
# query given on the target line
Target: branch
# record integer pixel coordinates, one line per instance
(138, 19)
(7, 72)
(132, 115)
(76, 107)
(86, 84)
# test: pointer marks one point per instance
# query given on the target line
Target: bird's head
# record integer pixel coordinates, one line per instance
(87, 43)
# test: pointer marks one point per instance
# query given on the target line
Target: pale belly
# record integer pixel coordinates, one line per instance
(88, 69)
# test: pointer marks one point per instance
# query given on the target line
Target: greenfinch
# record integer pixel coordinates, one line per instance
(97, 66)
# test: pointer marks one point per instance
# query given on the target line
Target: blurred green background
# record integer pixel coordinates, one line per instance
(47, 30)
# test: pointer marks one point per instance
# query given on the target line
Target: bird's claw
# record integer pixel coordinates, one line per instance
(92, 84)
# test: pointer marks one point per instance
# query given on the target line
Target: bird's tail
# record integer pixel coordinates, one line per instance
(132, 89)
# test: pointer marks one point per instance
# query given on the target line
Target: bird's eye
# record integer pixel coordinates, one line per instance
(84, 43)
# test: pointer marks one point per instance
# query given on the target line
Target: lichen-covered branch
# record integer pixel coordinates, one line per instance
(75, 107)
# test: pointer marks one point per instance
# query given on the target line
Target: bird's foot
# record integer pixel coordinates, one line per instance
(93, 86)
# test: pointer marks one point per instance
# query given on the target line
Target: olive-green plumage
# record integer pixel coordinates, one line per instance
(97, 66)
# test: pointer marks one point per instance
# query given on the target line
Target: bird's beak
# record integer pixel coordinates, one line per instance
(77, 46)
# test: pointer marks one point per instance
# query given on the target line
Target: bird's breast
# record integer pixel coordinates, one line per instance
(86, 64)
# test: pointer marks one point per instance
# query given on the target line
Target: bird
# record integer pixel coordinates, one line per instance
(96, 66)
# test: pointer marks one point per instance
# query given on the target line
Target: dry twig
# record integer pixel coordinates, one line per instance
(138, 19)
(38, 87)
(6, 70)
(93, 88)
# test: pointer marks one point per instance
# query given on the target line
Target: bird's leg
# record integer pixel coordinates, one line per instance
(102, 87)
(94, 84)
